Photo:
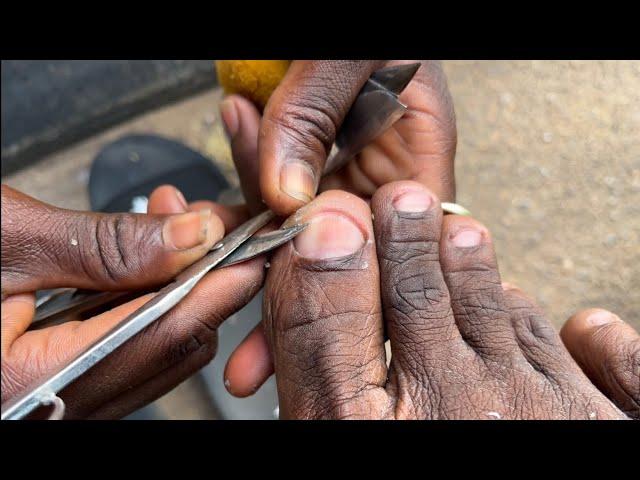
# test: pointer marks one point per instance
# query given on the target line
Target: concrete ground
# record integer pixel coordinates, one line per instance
(548, 158)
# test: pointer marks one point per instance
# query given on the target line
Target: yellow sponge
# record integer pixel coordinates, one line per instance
(253, 79)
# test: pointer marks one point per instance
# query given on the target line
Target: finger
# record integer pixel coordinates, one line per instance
(167, 200)
(48, 349)
(17, 314)
(48, 247)
(417, 308)
(242, 123)
(299, 127)
(322, 313)
(232, 216)
(471, 272)
(608, 351)
(186, 334)
(250, 364)
(131, 400)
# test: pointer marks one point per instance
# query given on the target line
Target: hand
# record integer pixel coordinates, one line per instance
(296, 133)
(302, 118)
(463, 345)
(47, 247)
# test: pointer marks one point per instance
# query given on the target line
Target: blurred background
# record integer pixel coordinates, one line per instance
(548, 158)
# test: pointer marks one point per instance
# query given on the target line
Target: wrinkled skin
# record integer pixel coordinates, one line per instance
(464, 346)
(48, 247)
(299, 126)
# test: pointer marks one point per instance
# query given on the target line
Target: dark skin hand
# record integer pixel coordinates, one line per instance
(463, 345)
(285, 151)
(280, 156)
(47, 247)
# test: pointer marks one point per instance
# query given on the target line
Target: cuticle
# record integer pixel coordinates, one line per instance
(325, 264)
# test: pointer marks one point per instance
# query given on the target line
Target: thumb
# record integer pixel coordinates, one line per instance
(47, 247)
(299, 126)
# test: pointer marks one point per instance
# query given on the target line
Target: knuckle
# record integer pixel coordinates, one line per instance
(121, 243)
(307, 122)
(406, 265)
(111, 260)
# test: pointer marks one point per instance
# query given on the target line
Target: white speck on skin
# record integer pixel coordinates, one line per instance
(592, 415)
(74, 242)
(495, 415)
(227, 382)
(267, 265)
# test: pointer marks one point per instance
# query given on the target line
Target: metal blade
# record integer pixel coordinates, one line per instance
(375, 109)
(396, 78)
(259, 244)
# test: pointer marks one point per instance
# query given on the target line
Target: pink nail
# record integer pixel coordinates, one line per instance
(467, 238)
(329, 236)
(413, 201)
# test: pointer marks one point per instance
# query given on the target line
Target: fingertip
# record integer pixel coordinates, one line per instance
(586, 321)
(166, 200)
(462, 232)
(28, 299)
(249, 366)
(404, 195)
(281, 201)
(231, 216)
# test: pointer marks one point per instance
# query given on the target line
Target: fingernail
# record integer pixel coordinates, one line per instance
(187, 230)
(413, 201)
(602, 317)
(329, 236)
(229, 115)
(297, 181)
(181, 199)
(467, 238)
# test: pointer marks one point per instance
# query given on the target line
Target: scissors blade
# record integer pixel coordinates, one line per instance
(72, 302)
(259, 244)
(75, 302)
(396, 78)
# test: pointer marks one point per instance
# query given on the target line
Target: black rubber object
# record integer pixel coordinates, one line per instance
(135, 165)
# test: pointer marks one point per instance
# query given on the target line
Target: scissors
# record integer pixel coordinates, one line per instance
(375, 109)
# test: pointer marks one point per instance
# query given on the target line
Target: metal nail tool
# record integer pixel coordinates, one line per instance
(375, 109)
